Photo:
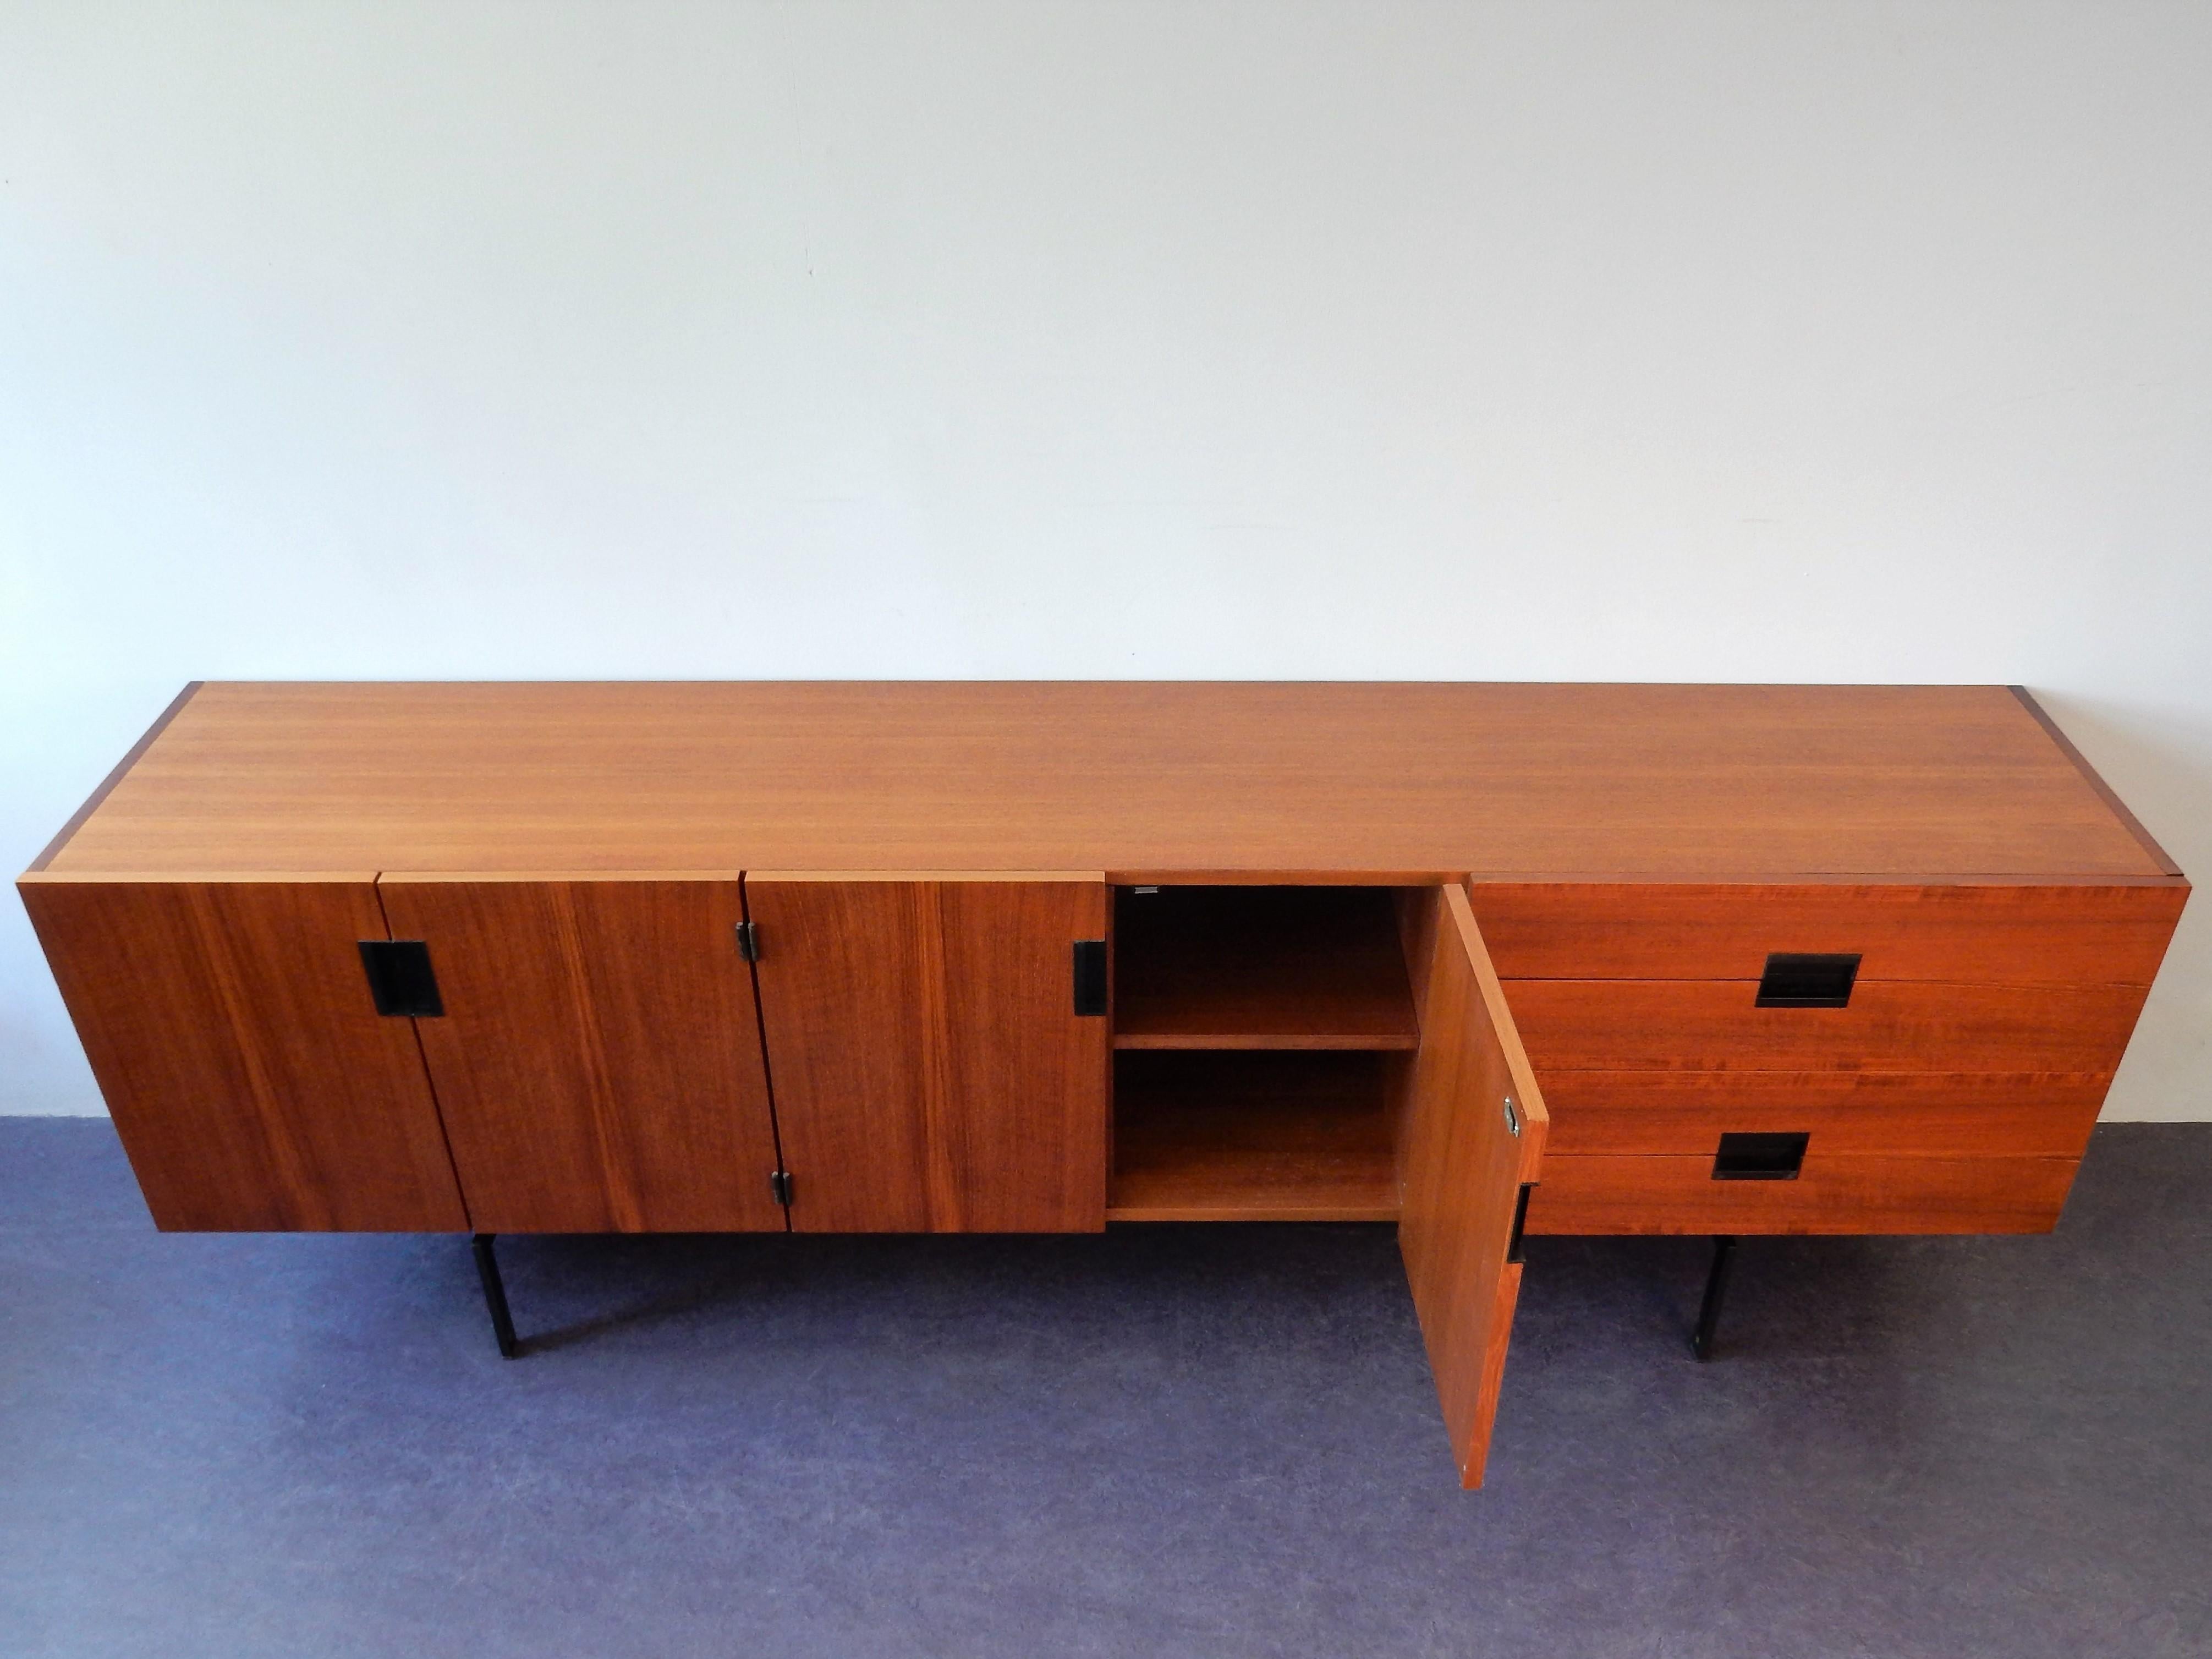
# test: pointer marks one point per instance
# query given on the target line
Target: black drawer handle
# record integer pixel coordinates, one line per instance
(1796, 981)
(1759, 1156)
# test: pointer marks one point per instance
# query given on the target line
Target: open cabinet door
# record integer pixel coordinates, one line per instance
(1471, 1145)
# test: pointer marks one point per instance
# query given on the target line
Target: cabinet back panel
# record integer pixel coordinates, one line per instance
(1246, 1135)
(1258, 967)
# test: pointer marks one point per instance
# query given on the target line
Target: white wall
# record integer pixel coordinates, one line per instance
(1831, 342)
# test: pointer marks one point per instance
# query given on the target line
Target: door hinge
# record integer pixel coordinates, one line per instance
(400, 980)
(749, 940)
(778, 1182)
(1520, 1223)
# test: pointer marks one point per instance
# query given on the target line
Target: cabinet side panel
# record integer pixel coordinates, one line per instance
(252, 1082)
(598, 1060)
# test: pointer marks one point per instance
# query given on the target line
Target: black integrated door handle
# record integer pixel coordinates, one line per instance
(1090, 976)
(400, 980)
(1794, 980)
(1514, 1254)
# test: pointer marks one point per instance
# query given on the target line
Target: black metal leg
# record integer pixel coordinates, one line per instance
(1709, 1316)
(495, 1290)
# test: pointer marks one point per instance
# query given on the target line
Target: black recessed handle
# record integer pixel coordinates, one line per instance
(1089, 978)
(1795, 980)
(1759, 1156)
(400, 981)
(1513, 1250)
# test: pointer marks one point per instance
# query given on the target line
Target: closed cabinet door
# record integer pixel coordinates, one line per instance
(597, 1058)
(235, 1036)
(1471, 1145)
(938, 1048)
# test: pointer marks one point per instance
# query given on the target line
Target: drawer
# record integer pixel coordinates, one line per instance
(1836, 1193)
(1982, 935)
(1923, 1114)
(1660, 1025)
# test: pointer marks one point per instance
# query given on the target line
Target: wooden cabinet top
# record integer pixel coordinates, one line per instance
(1138, 780)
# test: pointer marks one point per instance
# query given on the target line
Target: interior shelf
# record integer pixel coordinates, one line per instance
(1260, 968)
(1231, 1136)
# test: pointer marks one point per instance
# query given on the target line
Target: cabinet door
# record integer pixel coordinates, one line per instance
(932, 1074)
(232, 1031)
(1471, 1145)
(598, 1061)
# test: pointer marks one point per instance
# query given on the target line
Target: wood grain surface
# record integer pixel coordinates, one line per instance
(930, 1074)
(1251, 1137)
(1837, 1192)
(1421, 781)
(1978, 933)
(253, 1083)
(1462, 1169)
(598, 1063)
(1659, 1026)
(115, 776)
(1946, 1114)
(2041, 715)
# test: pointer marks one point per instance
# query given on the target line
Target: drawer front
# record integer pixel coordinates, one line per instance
(1980, 935)
(1920, 1113)
(1657, 1025)
(1836, 1192)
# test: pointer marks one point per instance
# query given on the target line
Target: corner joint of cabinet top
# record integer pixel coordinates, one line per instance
(92, 802)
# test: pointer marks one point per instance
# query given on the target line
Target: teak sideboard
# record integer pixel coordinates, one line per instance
(1481, 960)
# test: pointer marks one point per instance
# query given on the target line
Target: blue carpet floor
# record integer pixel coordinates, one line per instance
(1215, 1442)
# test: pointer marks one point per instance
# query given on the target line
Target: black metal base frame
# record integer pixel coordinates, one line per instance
(502, 1321)
(1709, 1316)
(495, 1290)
